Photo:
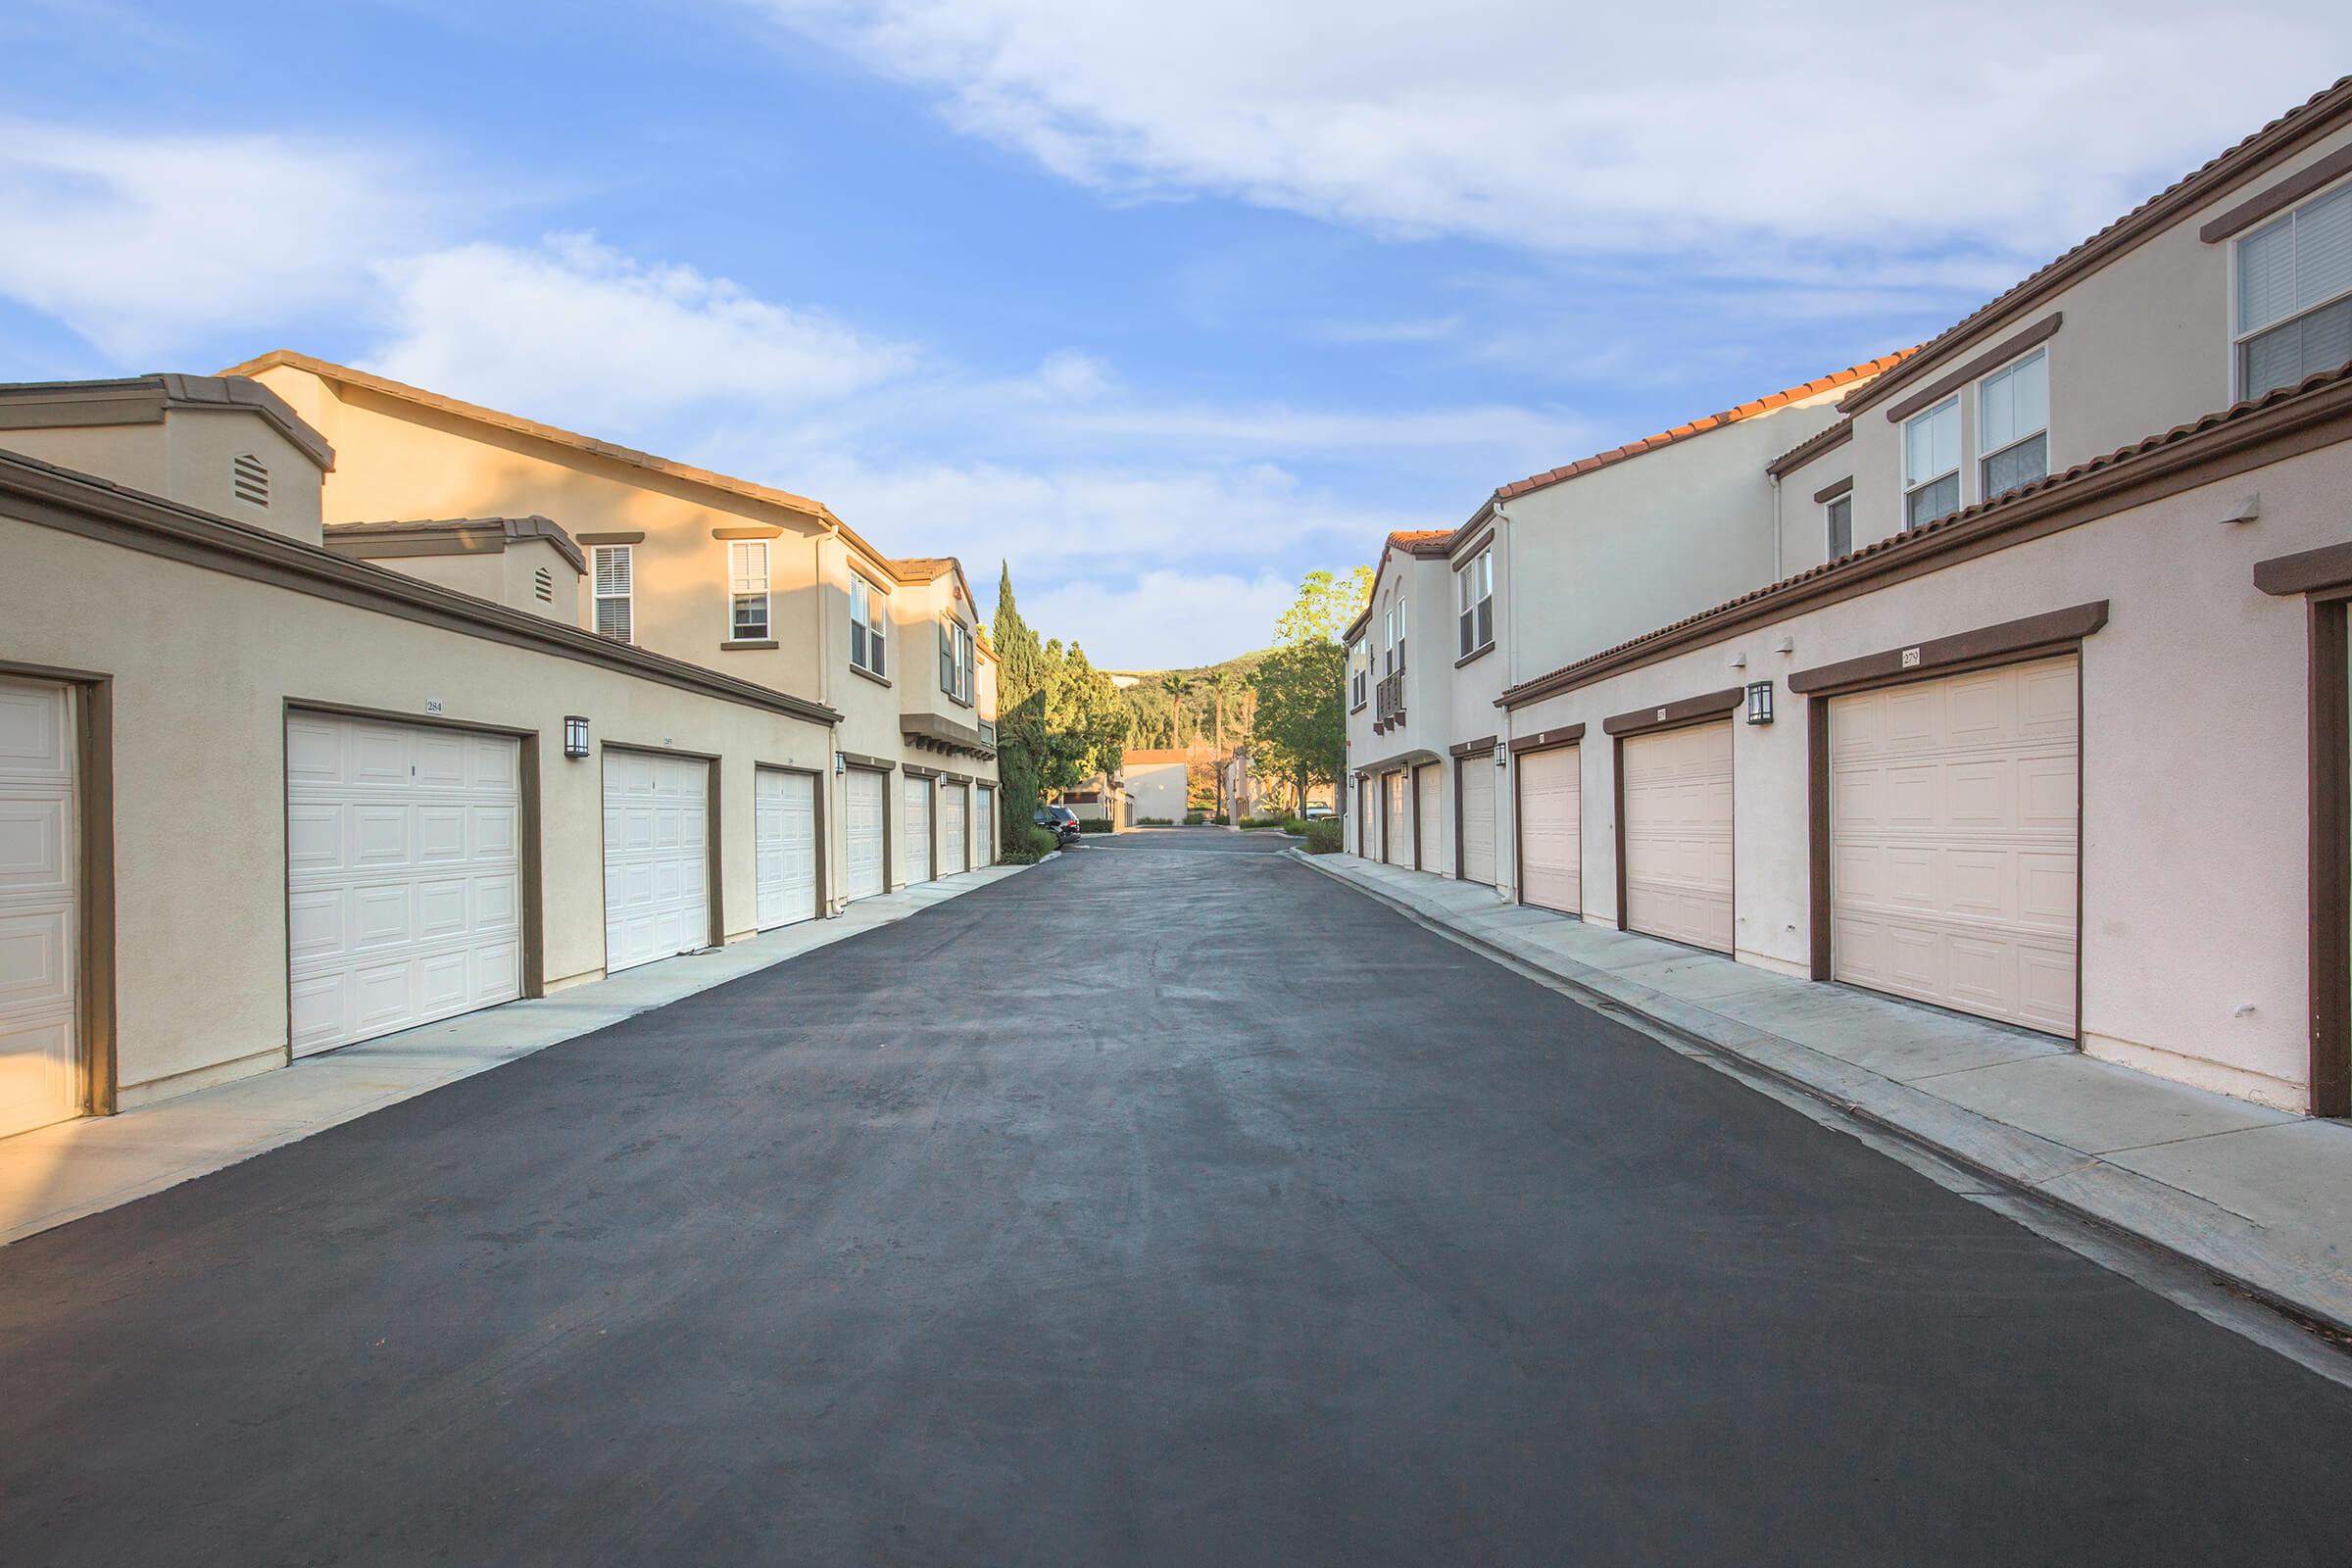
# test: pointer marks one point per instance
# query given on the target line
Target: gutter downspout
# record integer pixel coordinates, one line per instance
(1778, 531)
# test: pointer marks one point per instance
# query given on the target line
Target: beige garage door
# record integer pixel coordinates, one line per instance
(1429, 796)
(954, 848)
(784, 830)
(1399, 840)
(1953, 830)
(1678, 835)
(1551, 825)
(1477, 776)
(403, 877)
(657, 856)
(1367, 821)
(39, 1067)
(863, 792)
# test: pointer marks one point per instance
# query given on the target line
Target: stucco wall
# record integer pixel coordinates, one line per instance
(1155, 790)
(2144, 347)
(2195, 813)
(186, 457)
(201, 683)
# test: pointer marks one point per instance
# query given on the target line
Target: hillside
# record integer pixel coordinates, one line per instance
(1207, 704)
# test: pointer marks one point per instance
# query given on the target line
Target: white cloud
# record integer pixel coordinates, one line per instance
(144, 244)
(1751, 132)
(1161, 620)
(580, 335)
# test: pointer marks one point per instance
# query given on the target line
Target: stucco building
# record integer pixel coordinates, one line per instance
(2040, 713)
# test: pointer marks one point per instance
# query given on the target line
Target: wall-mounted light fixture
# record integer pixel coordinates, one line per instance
(576, 735)
(1759, 703)
(841, 765)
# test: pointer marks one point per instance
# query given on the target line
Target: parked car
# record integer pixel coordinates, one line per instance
(1315, 813)
(1062, 819)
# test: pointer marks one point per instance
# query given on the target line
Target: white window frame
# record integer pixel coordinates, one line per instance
(2049, 415)
(1477, 575)
(626, 555)
(876, 621)
(1959, 454)
(2240, 333)
(1359, 672)
(958, 675)
(1829, 533)
(741, 592)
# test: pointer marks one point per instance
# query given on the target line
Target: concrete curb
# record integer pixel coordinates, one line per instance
(2235, 1251)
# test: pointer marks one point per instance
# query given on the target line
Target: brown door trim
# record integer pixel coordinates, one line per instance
(1817, 835)
(1623, 920)
(90, 700)
(1545, 740)
(2011, 642)
(1476, 748)
(2331, 862)
(1676, 715)
(1617, 767)
(1461, 860)
(2306, 572)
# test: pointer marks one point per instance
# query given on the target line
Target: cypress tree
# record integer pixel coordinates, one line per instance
(1020, 716)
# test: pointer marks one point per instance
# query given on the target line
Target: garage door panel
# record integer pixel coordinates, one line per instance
(656, 879)
(1969, 903)
(1678, 835)
(951, 829)
(864, 794)
(1476, 780)
(784, 838)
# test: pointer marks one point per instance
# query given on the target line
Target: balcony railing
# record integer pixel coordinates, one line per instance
(1388, 699)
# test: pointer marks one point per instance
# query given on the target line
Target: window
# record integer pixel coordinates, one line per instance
(1359, 672)
(1476, 592)
(869, 613)
(249, 477)
(1838, 516)
(747, 584)
(955, 659)
(2013, 425)
(612, 576)
(2294, 295)
(1932, 465)
(1393, 655)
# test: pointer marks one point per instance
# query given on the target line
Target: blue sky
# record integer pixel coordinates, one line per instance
(1165, 305)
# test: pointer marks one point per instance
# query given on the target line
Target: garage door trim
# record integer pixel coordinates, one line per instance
(1555, 740)
(1821, 688)
(1482, 752)
(714, 858)
(852, 764)
(1690, 713)
(528, 851)
(93, 701)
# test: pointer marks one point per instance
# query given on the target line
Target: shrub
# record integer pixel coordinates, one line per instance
(1093, 824)
(1195, 819)
(1295, 826)
(1323, 836)
(1035, 845)
(1219, 819)
(1155, 821)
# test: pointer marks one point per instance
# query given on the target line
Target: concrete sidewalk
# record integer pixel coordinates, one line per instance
(54, 1174)
(2259, 1198)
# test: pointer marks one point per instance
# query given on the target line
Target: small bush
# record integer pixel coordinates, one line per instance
(1041, 841)
(1295, 826)
(1219, 820)
(1195, 819)
(1323, 837)
(1155, 821)
(1093, 824)
(1250, 824)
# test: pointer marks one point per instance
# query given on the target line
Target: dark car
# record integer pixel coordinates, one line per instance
(1062, 819)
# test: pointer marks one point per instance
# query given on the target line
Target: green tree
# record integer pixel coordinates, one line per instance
(1086, 723)
(1326, 605)
(1021, 696)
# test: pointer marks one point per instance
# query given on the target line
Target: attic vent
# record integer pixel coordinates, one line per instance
(547, 586)
(250, 479)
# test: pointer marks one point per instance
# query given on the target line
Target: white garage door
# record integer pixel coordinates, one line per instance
(1551, 826)
(861, 819)
(918, 835)
(403, 877)
(39, 868)
(784, 830)
(955, 850)
(1953, 828)
(985, 830)
(1367, 819)
(656, 857)
(1428, 798)
(1399, 842)
(1678, 835)
(1477, 775)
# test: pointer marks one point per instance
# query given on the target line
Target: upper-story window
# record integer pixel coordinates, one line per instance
(1393, 649)
(614, 569)
(1838, 520)
(2013, 423)
(869, 614)
(1359, 672)
(955, 659)
(2294, 295)
(747, 584)
(1474, 593)
(1932, 463)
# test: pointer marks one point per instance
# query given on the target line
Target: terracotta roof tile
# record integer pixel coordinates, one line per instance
(1911, 538)
(1422, 541)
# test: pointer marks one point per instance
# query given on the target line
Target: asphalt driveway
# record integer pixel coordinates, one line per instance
(1168, 1203)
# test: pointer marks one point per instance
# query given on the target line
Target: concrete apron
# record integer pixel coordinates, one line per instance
(2255, 1197)
(54, 1174)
